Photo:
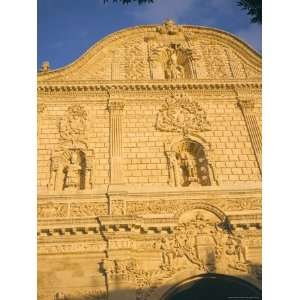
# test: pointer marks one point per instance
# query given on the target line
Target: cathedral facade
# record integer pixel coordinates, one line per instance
(149, 168)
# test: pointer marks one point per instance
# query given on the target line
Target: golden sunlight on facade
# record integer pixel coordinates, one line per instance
(149, 168)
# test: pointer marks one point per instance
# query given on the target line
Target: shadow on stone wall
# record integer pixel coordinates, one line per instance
(209, 286)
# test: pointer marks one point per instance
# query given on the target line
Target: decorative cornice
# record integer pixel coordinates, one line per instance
(85, 86)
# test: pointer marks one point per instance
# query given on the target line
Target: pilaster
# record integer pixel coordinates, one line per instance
(115, 108)
(247, 107)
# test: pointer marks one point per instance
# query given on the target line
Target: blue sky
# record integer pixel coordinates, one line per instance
(67, 28)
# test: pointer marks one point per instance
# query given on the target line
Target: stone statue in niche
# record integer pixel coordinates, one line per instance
(72, 173)
(171, 61)
(173, 69)
(188, 165)
(71, 169)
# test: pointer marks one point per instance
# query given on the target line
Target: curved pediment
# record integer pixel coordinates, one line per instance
(162, 52)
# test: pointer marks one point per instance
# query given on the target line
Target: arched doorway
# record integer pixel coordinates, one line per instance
(214, 287)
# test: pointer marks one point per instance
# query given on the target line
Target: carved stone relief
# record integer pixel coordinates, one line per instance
(216, 61)
(169, 27)
(156, 207)
(63, 210)
(204, 241)
(52, 210)
(71, 169)
(136, 65)
(71, 248)
(181, 114)
(145, 281)
(200, 241)
(73, 125)
(171, 61)
(117, 207)
(88, 209)
(188, 165)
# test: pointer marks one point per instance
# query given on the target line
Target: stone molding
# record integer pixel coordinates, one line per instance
(67, 87)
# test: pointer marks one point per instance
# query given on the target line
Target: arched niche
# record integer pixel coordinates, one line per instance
(71, 169)
(209, 286)
(190, 162)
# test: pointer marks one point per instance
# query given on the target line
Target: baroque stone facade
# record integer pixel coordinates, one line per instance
(149, 165)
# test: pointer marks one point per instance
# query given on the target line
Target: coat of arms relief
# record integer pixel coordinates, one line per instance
(182, 114)
(206, 242)
(201, 241)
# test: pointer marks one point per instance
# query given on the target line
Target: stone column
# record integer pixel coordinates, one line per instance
(115, 140)
(247, 106)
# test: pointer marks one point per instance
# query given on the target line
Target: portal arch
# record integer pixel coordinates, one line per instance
(210, 286)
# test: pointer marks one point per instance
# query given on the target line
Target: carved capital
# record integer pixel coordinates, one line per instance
(115, 106)
(246, 104)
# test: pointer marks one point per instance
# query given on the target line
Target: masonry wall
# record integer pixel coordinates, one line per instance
(144, 155)
(77, 275)
(144, 158)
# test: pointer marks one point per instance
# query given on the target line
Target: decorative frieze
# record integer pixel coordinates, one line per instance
(52, 210)
(62, 248)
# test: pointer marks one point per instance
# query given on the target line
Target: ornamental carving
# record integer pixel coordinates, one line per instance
(171, 61)
(243, 204)
(73, 125)
(181, 114)
(167, 206)
(52, 210)
(188, 165)
(88, 209)
(71, 170)
(117, 207)
(169, 27)
(71, 248)
(204, 241)
(145, 281)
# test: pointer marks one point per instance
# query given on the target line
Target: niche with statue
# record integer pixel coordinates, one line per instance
(71, 170)
(171, 62)
(188, 165)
